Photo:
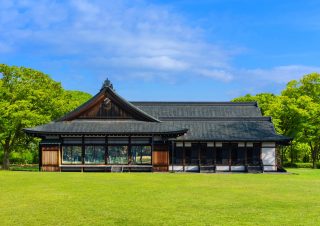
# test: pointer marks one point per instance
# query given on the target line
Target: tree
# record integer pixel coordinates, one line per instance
(295, 113)
(281, 109)
(27, 98)
(264, 100)
(307, 93)
(75, 98)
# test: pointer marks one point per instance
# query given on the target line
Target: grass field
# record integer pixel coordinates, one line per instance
(38, 198)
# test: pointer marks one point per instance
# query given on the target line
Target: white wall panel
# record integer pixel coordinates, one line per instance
(268, 156)
(268, 144)
(270, 168)
(210, 144)
(249, 144)
(191, 168)
(222, 168)
(237, 168)
(176, 168)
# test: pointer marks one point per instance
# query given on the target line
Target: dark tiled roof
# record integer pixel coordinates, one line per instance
(218, 129)
(215, 121)
(106, 127)
(199, 109)
(248, 129)
(219, 121)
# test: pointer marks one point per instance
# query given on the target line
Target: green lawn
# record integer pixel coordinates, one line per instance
(39, 198)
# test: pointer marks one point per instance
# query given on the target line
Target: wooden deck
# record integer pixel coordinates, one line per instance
(105, 168)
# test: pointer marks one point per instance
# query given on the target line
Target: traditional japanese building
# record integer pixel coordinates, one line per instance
(110, 134)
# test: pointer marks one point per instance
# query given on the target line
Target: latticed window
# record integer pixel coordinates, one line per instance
(118, 154)
(141, 154)
(71, 155)
(94, 155)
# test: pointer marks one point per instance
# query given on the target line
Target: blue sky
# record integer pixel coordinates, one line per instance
(165, 50)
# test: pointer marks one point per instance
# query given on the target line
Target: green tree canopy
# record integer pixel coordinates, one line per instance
(28, 98)
(295, 112)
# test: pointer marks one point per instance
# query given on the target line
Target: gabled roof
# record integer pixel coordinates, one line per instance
(198, 121)
(108, 91)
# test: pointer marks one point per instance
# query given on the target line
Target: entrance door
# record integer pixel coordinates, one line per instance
(160, 158)
(50, 158)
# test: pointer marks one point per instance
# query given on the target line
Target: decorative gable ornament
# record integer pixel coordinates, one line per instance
(107, 84)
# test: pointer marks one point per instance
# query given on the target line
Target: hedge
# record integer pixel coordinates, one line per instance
(300, 165)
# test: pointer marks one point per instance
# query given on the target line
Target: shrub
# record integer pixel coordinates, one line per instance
(300, 165)
(21, 158)
(288, 164)
(304, 165)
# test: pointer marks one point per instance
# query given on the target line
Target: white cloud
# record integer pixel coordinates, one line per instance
(280, 74)
(133, 35)
(125, 39)
(217, 74)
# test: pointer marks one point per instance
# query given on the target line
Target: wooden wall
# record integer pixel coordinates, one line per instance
(160, 158)
(107, 109)
(50, 158)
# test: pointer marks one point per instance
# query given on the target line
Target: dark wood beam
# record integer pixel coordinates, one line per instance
(83, 149)
(40, 156)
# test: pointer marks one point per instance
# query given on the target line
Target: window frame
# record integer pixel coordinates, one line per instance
(117, 145)
(131, 154)
(95, 145)
(62, 154)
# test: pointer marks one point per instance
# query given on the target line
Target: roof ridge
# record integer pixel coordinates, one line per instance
(243, 118)
(145, 114)
(205, 103)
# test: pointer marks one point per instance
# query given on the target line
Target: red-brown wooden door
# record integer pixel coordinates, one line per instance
(160, 158)
(50, 158)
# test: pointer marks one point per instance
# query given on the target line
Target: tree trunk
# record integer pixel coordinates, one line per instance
(291, 155)
(6, 153)
(313, 155)
(6, 162)
(314, 166)
(314, 158)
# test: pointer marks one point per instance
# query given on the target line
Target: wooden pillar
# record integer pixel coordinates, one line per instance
(277, 155)
(168, 156)
(152, 146)
(59, 156)
(260, 154)
(40, 157)
(214, 155)
(172, 154)
(245, 154)
(106, 150)
(230, 150)
(183, 156)
(129, 152)
(199, 154)
(83, 149)
(60, 150)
